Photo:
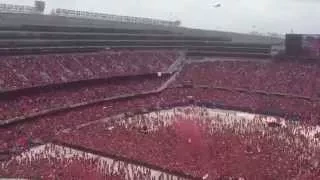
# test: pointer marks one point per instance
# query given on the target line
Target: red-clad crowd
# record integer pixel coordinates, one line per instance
(18, 72)
(277, 77)
(270, 77)
(293, 108)
(47, 126)
(189, 148)
(38, 101)
(74, 168)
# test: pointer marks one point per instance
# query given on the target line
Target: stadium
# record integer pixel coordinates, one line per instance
(87, 95)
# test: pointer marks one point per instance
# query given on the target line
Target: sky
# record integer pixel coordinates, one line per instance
(278, 16)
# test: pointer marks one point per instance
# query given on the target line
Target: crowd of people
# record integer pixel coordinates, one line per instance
(18, 72)
(292, 108)
(45, 127)
(272, 77)
(57, 169)
(276, 77)
(187, 146)
(44, 162)
(38, 101)
(281, 77)
(184, 146)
